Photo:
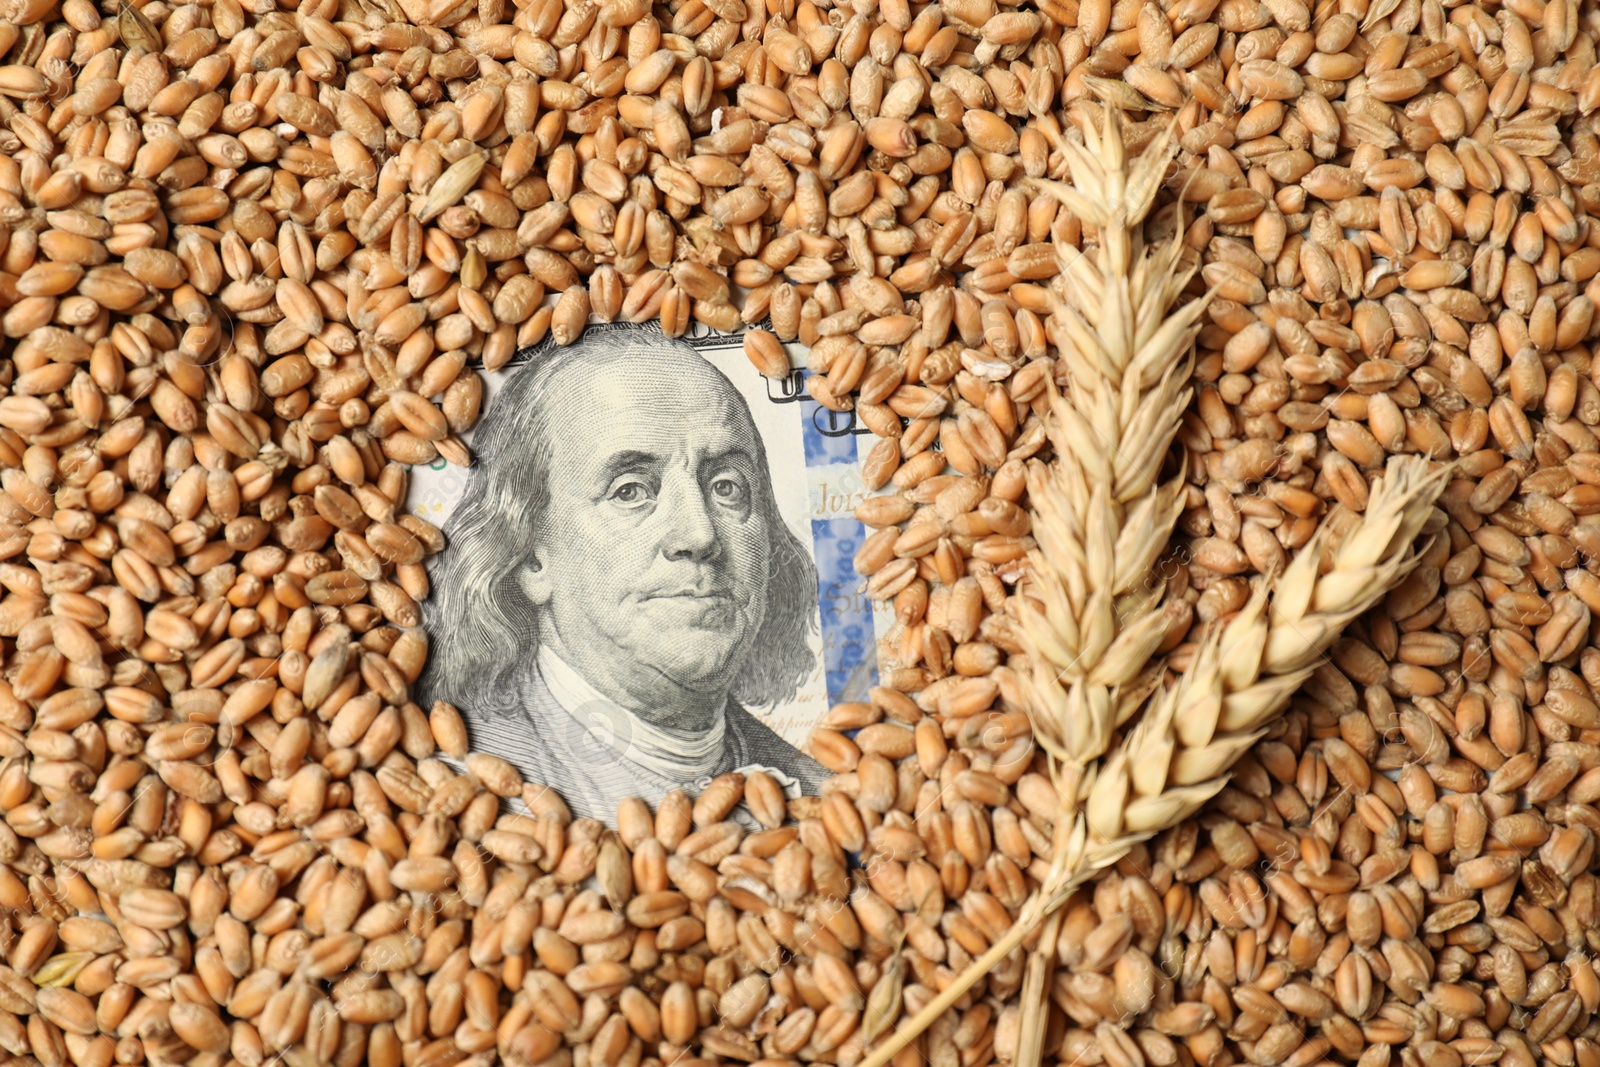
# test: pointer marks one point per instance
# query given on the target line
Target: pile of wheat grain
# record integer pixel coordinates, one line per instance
(255, 260)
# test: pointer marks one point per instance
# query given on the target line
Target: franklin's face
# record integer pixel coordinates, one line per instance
(653, 550)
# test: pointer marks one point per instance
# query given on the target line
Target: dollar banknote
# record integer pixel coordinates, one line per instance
(648, 578)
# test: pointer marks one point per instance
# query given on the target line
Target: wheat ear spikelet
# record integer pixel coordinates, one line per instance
(1109, 801)
(1101, 515)
(1176, 757)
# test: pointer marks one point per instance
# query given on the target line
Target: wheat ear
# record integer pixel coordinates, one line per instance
(1101, 514)
(1101, 517)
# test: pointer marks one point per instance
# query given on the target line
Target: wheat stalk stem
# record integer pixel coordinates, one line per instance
(1035, 990)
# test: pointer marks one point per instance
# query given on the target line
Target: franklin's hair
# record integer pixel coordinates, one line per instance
(482, 627)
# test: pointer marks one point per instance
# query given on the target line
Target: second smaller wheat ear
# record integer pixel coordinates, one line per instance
(1133, 748)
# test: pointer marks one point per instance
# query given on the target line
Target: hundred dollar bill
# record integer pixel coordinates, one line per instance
(649, 572)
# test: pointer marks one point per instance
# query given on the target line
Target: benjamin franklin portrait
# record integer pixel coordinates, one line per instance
(619, 589)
